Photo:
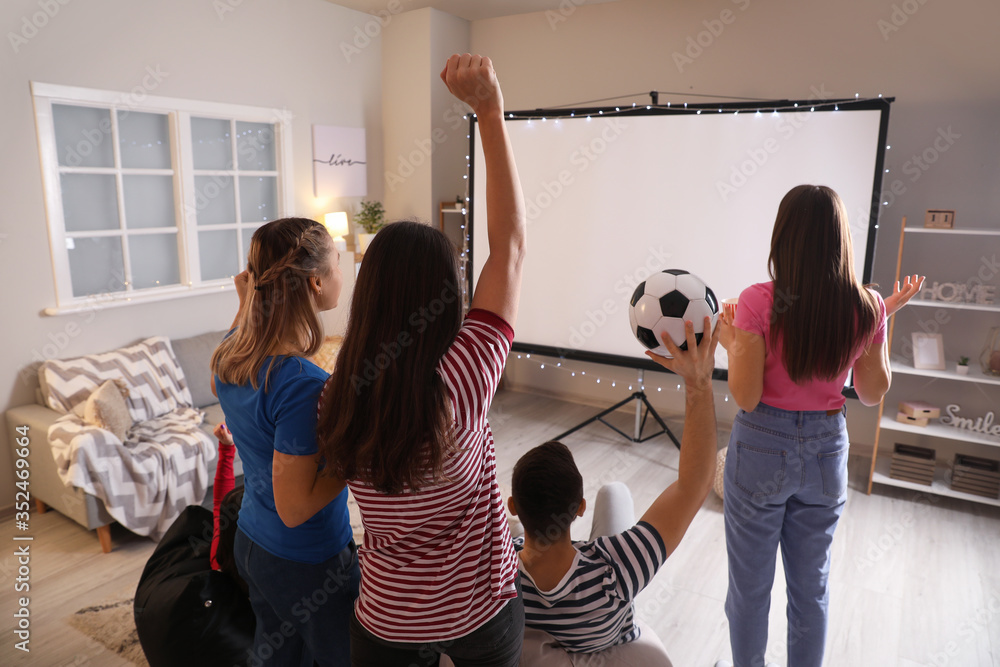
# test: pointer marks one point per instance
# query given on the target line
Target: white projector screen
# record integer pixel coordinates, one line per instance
(613, 197)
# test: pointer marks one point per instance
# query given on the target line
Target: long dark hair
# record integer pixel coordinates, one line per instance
(283, 255)
(385, 417)
(821, 311)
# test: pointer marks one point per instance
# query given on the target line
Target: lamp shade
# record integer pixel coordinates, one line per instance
(336, 223)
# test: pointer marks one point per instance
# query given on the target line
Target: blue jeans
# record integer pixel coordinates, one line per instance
(785, 484)
(303, 610)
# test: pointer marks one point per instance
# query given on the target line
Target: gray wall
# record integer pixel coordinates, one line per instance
(941, 61)
(285, 55)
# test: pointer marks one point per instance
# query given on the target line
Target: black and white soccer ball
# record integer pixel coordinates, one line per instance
(663, 302)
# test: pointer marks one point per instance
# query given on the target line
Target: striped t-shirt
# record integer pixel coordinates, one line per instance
(439, 563)
(591, 608)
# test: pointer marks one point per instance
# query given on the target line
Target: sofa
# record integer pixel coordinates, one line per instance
(46, 485)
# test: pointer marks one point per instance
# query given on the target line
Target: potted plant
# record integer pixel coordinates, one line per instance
(963, 366)
(370, 218)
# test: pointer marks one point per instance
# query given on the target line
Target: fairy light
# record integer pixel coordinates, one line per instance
(573, 372)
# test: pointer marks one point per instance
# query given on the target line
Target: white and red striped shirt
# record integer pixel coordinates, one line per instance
(439, 563)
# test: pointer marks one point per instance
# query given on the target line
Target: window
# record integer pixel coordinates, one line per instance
(154, 199)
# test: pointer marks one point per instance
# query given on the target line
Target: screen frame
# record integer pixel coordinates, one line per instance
(881, 104)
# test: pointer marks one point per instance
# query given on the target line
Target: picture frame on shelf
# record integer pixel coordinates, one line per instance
(928, 351)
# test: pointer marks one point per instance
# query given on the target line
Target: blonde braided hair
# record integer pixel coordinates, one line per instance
(278, 312)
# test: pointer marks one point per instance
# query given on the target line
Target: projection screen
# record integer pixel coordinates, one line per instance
(612, 196)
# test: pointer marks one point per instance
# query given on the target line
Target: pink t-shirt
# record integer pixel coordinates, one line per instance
(754, 316)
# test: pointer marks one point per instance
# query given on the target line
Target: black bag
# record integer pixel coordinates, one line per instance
(186, 613)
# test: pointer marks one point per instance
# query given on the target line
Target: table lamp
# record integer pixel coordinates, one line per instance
(336, 224)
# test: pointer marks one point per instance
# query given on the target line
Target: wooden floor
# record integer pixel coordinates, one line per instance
(915, 580)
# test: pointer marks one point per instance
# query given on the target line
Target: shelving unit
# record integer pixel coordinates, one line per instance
(879, 473)
(453, 208)
(458, 213)
(938, 487)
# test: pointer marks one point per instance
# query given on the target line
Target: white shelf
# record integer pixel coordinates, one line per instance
(975, 373)
(888, 426)
(962, 232)
(951, 304)
(938, 486)
(936, 430)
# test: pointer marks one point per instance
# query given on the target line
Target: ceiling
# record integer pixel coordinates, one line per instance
(471, 10)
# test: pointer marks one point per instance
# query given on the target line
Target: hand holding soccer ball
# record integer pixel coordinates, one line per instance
(663, 302)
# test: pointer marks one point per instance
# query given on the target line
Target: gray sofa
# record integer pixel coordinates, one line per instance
(193, 354)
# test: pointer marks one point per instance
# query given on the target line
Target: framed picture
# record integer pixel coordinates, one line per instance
(928, 351)
(339, 161)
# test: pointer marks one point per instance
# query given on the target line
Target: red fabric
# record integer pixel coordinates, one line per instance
(224, 483)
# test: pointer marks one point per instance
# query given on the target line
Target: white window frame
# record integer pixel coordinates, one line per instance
(179, 113)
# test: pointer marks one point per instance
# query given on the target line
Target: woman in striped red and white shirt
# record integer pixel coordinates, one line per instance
(403, 420)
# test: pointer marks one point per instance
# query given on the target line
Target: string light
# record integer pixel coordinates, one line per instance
(614, 383)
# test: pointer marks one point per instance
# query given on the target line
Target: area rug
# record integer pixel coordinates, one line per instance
(111, 623)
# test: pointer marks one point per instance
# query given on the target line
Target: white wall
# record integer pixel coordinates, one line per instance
(939, 61)
(424, 133)
(287, 55)
(406, 98)
(448, 130)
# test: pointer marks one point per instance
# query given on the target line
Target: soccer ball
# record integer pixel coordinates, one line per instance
(663, 302)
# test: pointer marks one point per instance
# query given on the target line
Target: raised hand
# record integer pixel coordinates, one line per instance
(240, 281)
(726, 334)
(472, 79)
(695, 364)
(223, 434)
(902, 294)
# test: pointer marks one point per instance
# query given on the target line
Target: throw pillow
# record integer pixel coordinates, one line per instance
(155, 379)
(194, 355)
(106, 408)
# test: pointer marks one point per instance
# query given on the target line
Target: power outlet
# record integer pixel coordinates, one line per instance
(939, 219)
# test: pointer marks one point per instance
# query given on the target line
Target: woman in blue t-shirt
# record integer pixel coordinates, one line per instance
(294, 546)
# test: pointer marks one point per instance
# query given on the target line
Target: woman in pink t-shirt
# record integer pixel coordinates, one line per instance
(791, 346)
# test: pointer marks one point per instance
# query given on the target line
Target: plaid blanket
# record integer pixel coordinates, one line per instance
(162, 467)
(145, 482)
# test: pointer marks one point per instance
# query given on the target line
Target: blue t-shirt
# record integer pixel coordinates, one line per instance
(283, 419)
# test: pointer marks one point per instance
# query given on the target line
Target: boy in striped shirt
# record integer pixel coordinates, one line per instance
(582, 593)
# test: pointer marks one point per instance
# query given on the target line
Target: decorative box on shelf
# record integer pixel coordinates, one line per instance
(976, 475)
(913, 464)
(919, 409)
(917, 413)
(904, 418)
